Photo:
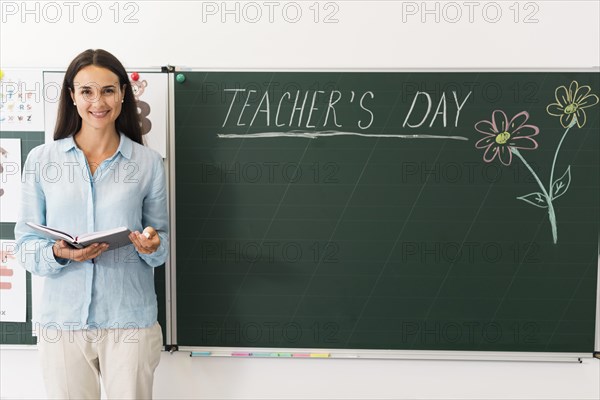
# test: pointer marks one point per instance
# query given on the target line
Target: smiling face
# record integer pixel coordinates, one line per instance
(98, 97)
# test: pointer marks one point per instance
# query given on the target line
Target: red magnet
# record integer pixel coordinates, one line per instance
(135, 76)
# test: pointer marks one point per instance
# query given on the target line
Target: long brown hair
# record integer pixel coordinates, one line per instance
(69, 122)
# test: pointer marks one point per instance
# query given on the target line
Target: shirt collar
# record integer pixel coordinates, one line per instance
(125, 145)
(67, 144)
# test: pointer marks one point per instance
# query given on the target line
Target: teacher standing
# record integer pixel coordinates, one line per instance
(98, 315)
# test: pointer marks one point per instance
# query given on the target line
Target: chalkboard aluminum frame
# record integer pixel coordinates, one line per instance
(337, 353)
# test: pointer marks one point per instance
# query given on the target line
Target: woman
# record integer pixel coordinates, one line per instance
(99, 309)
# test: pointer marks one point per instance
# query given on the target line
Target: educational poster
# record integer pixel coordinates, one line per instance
(13, 296)
(151, 93)
(21, 100)
(152, 96)
(10, 179)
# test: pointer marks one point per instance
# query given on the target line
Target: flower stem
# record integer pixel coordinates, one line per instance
(556, 154)
(551, 213)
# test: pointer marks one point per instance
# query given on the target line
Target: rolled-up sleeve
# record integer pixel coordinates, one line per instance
(34, 252)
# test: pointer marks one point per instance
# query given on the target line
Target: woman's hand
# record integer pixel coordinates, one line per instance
(62, 249)
(147, 242)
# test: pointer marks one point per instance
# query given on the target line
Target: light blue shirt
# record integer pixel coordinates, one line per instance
(128, 189)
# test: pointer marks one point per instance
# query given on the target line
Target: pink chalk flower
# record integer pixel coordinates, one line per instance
(501, 135)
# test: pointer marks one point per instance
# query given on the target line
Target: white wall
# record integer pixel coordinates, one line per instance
(367, 34)
(181, 377)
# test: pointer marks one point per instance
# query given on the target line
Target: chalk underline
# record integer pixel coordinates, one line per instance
(316, 135)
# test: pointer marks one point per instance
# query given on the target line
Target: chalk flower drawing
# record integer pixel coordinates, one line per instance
(570, 104)
(504, 137)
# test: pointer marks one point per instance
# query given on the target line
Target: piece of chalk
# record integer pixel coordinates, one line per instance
(241, 354)
(200, 353)
(149, 232)
(265, 355)
(342, 355)
(301, 355)
(319, 355)
(284, 354)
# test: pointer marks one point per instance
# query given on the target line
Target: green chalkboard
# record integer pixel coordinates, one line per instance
(387, 210)
(17, 332)
(22, 333)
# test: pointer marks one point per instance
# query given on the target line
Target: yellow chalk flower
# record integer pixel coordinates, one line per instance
(570, 104)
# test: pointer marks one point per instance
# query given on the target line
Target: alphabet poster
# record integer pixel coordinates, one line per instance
(10, 179)
(21, 100)
(13, 296)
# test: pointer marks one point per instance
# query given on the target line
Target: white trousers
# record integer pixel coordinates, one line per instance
(125, 359)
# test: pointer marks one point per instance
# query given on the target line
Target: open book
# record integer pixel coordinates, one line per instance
(115, 238)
